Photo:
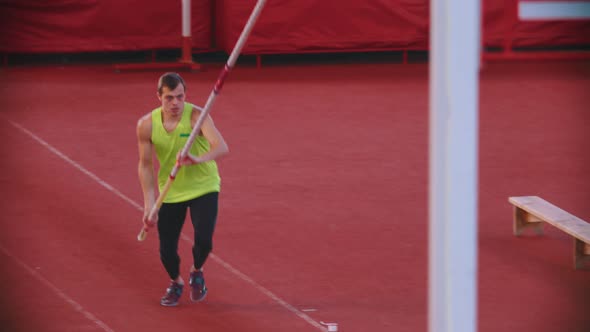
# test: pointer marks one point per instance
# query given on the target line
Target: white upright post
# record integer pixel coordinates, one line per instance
(187, 55)
(453, 82)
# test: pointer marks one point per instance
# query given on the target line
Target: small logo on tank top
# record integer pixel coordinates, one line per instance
(184, 135)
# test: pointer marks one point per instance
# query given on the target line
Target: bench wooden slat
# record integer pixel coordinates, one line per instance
(540, 208)
(554, 215)
(575, 227)
(533, 211)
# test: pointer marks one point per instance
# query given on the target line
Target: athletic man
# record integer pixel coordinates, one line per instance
(164, 131)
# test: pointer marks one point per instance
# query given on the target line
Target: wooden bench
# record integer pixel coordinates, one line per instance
(530, 212)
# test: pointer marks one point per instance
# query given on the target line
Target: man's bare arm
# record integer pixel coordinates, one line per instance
(145, 168)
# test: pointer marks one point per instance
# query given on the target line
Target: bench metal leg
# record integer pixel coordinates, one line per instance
(581, 255)
(524, 220)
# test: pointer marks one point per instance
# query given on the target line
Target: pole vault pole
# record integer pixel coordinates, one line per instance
(216, 90)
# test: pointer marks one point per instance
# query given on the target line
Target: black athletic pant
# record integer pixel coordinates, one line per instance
(203, 211)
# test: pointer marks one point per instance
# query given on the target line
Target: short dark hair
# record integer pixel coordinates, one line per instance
(171, 81)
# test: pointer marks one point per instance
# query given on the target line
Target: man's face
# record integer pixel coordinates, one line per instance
(172, 100)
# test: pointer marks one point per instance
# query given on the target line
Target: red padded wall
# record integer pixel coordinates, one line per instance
(99, 25)
(285, 26)
(304, 25)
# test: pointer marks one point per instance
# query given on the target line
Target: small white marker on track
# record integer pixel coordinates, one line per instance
(332, 327)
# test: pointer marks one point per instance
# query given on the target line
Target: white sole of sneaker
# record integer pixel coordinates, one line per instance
(169, 305)
(199, 300)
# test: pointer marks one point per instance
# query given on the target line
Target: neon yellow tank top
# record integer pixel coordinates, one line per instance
(191, 181)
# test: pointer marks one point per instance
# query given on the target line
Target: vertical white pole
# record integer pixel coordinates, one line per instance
(187, 55)
(186, 18)
(454, 78)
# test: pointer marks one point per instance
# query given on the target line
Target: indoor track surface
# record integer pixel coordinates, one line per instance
(323, 211)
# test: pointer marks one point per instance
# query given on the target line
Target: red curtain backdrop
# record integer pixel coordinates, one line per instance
(99, 25)
(303, 25)
(284, 26)
(500, 21)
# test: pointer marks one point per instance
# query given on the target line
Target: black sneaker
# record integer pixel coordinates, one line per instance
(170, 299)
(198, 289)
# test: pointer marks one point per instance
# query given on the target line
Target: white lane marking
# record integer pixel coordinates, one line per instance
(77, 166)
(216, 258)
(268, 293)
(58, 291)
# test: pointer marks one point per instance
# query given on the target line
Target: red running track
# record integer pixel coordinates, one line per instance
(324, 202)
